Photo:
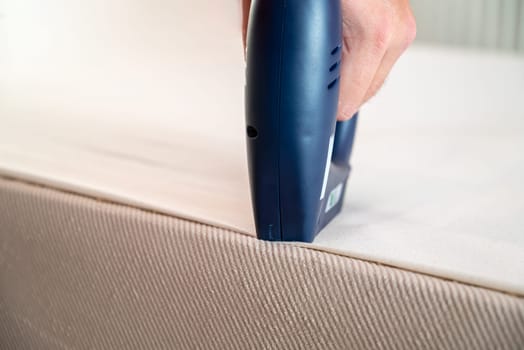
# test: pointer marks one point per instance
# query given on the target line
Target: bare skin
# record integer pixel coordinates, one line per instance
(376, 33)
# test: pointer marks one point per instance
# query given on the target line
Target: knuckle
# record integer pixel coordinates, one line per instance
(410, 30)
(382, 31)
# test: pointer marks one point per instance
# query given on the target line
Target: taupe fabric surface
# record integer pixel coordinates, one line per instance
(78, 273)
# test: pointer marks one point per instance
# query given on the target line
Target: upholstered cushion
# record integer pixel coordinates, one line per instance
(125, 219)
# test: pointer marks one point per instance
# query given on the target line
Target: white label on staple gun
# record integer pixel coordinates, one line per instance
(334, 197)
(328, 165)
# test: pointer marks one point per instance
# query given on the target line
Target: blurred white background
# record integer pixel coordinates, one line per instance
(495, 24)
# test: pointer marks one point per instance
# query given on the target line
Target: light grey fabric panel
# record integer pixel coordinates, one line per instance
(479, 23)
(78, 273)
(520, 35)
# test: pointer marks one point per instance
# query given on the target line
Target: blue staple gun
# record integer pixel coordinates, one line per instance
(298, 153)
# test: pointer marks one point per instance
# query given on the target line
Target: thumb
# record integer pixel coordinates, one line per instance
(246, 5)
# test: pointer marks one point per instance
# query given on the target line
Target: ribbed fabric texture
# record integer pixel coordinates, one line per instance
(78, 273)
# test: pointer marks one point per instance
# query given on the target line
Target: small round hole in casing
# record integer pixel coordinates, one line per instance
(251, 132)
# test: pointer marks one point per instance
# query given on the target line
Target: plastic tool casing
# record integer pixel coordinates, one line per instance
(297, 152)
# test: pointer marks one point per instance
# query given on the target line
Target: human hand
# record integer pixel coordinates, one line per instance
(376, 33)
